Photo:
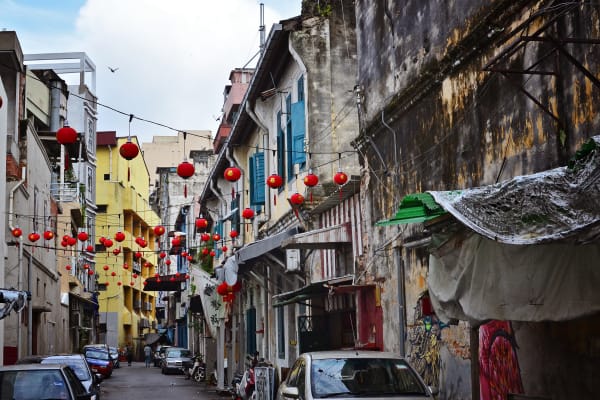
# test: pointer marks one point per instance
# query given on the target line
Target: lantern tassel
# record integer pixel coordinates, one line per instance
(341, 188)
(128, 173)
(311, 200)
(185, 190)
(275, 199)
(232, 193)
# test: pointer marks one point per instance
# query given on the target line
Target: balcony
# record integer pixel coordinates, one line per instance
(66, 192)
(147, 306)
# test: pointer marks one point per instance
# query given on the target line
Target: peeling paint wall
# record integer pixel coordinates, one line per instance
(433, 118)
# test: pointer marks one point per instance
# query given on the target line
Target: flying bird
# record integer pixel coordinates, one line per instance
(113, 69)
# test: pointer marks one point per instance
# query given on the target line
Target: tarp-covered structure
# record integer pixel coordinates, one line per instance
(527, 249)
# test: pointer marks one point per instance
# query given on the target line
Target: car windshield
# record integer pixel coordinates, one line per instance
(101, 355)
(33, 384)
(363, 377)
(78, 366)
(175, 353)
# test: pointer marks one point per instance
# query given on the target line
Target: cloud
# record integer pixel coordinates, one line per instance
(174, 58)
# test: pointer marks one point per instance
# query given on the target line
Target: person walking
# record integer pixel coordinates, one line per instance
(129, 351)
(147, 354)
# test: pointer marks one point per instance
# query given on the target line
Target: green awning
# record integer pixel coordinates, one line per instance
(417, 207)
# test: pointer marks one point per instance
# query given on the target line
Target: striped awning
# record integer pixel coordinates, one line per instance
(324, 238)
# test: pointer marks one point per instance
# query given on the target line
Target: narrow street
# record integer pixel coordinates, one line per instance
(138, 382)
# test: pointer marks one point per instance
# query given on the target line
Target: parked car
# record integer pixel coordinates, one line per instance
(349, 374)
(100, 360)
(114, 353)
(41, 381)
(175, 358)
(79, 365)
(159, 354)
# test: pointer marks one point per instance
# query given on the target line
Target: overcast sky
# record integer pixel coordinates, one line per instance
(173, 56)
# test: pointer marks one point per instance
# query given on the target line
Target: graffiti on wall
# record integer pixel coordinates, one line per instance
(499, 372)
(424, 352)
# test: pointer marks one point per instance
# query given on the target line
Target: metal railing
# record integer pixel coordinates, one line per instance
(66, 192)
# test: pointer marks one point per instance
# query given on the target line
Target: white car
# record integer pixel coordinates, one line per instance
(349, 374)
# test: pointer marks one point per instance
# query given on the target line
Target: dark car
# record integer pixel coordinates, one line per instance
(100, 361)
(41, 381)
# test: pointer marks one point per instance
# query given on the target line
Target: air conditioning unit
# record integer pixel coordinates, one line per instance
(292, 260)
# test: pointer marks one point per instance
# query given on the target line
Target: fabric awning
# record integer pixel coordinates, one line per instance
(151, 338)
(165, 283)
(417, 207)
(312, 290)
(263, 246)
(324, 238)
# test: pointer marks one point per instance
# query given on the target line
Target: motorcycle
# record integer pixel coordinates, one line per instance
(196, 370)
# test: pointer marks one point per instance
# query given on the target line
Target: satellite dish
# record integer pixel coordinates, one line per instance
(231, 271)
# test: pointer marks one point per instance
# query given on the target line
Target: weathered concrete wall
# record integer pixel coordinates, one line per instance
(449, 124)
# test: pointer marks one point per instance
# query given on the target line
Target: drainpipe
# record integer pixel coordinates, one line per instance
(11, 206)
(220, 196)
(267, 214)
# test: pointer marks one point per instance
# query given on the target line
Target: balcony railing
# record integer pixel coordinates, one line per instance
(66, 192)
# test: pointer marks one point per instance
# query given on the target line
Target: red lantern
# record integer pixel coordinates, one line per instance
(168, 262)
(222, 289)
(232, 174)
(90, 272)
(176, 241)
(187, 276)
(138, 255)
(106, 283)
(131, 283)
(142, 243)
(310, 181)
(177, 274)
(185, 170)
(147, 264)
(86, 266)
(89, 248)
(156, 275)
(116, 252)
(125, 266)
(190, 258)
(34, 237)
(159, 230)
(205, 237)
(64, 243)
(274, 181)
(48, 235)
(71, 241)
(212, 253)
(17, 232)
(340, 178)
(134, 276)
(201, 223)
(162, 254)
(119, 236)
(296, 199)
(66, 135)
(237, 286)
(216, 237)
(105, 268)
(119, 283)
(129, 150)
(107, 243)
(248, 213)
(205, 251)
(68, 267)
(144, 283)
(184, 254)
(224, 249)
(113, 273)
(233, 234)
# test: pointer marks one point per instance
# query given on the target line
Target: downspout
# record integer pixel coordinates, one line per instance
(267, 214)
(11, 206)
(220, 196)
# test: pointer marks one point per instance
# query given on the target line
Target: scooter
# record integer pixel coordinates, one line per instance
(196, 371)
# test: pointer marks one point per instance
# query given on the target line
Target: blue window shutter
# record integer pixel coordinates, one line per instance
(298, 133)
(301, 89)
(257, 179)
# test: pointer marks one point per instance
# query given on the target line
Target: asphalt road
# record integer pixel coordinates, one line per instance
(140, 383)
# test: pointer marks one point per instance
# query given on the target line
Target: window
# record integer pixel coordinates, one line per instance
(280, 149)
(91, 135)
(90, 183)
(257, 179)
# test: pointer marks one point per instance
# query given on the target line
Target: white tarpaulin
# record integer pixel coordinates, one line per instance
(472, 278)
(214, 310)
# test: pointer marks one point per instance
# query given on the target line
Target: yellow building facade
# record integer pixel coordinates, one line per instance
(125, 254)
